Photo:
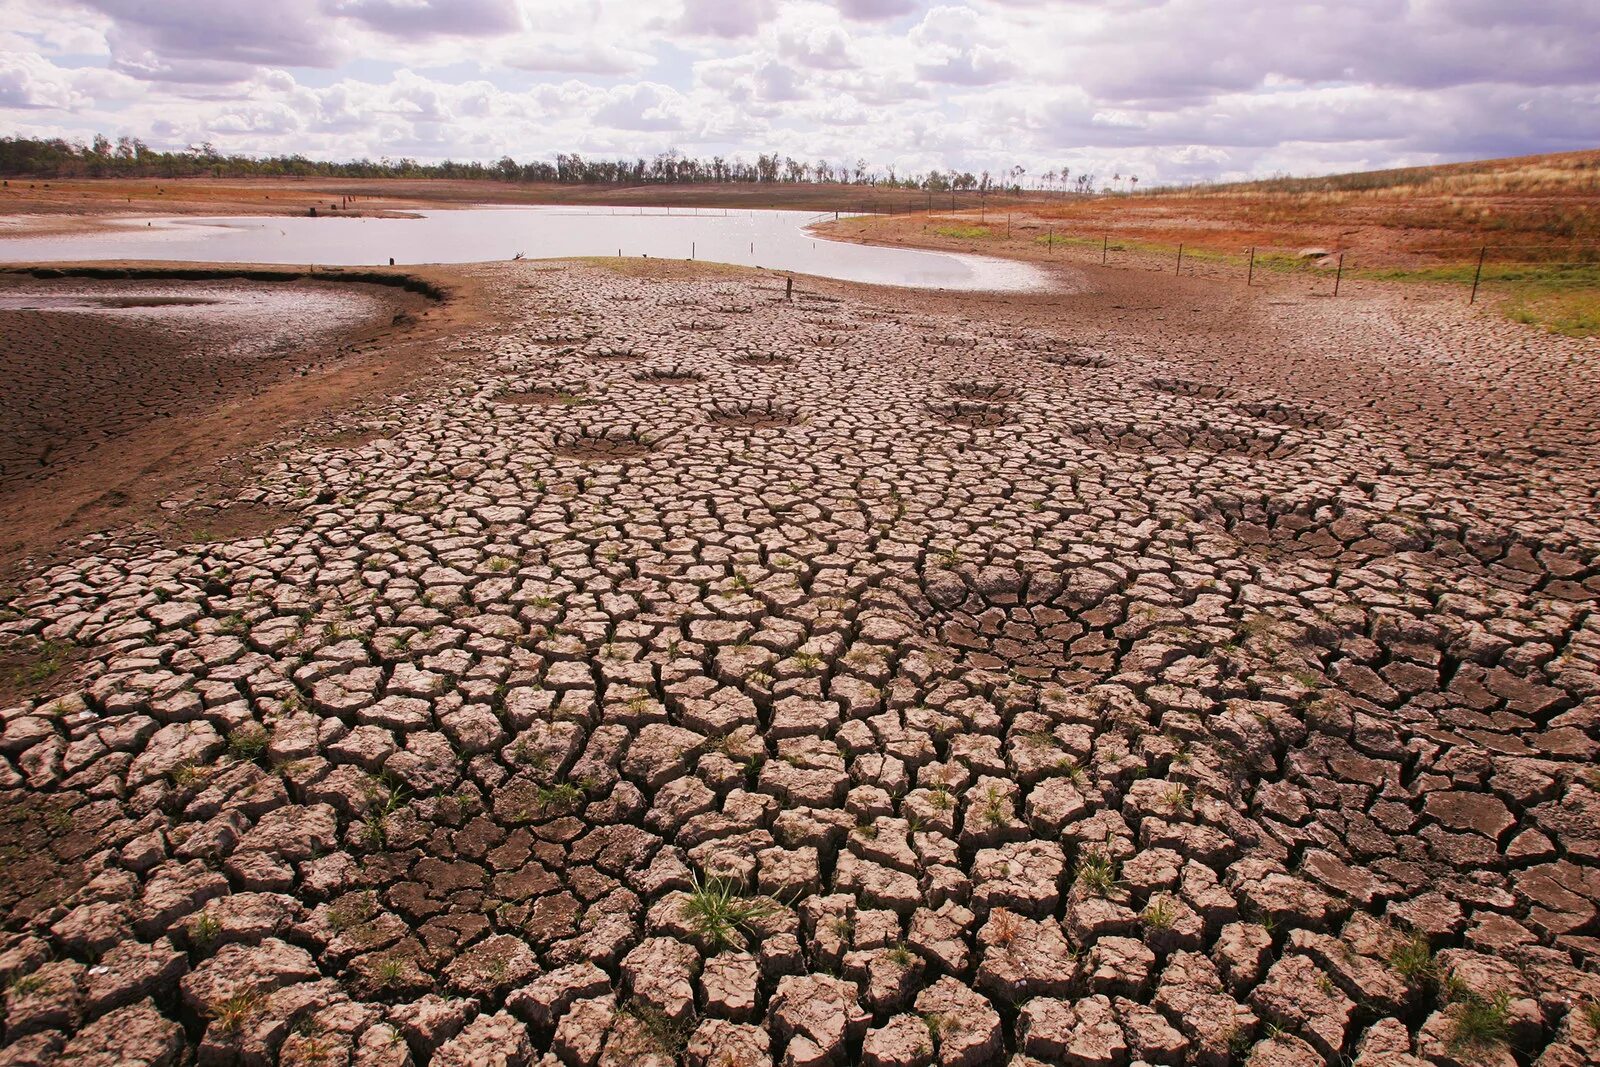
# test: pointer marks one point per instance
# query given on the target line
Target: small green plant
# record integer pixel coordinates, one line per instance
(230, 1014)
(349, 911)
(25, 986)
(1591, 1015)
(1413, 959)
(248, 742)
(807, 661)
(49, 658)
(563, 797)
(716, 911)
(204, 930)
(185, 775)
(1239, 1041)
(375, 831)
(1479, 1023)
(901, 956)
(1096, 873)
(1160, 914)
(665, 1035)
(996, 809)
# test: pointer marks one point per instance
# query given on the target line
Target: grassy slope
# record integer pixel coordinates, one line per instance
(1539, 217)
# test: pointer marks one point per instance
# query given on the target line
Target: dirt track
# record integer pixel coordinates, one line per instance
(1164, 673)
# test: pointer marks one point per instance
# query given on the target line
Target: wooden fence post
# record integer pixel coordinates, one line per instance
(1478, 274)
(1251, 276)
(1338, 275)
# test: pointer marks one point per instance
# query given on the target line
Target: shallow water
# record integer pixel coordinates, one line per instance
(776, 240)
(86, 302)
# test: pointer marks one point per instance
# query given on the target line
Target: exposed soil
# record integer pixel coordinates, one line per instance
(137, 394)
(1236, 700)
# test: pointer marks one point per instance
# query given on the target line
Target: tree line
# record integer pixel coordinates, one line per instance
(129, 157)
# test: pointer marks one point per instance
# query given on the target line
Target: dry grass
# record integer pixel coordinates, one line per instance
(1541, 207)
(1539, 217)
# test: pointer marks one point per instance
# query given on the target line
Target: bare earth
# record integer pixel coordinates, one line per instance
(120, 393)
(1165, 673)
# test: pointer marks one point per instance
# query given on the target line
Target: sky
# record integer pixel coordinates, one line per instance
(1173, 91)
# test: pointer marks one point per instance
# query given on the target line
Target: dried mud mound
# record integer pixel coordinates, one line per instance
(611, 733)
(1173, 436)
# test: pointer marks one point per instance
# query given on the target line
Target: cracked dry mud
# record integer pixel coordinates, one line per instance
(777, 706)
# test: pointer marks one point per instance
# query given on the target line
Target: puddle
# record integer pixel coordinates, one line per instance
(776, 240)
(79, 302)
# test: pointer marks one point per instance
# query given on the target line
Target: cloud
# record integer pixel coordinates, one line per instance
(1164, 88)
(641, 107)
(410, 18)
(29, 82)
(875, 10)
(208, 40)
(726, 18)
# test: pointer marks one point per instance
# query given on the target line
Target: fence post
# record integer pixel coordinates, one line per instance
(691, 249)
(1338, 275)
(1179, 268)
(1251, 276)
(1482, 252)
(1105, 243)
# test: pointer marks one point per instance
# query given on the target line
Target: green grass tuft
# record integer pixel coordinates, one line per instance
(716, 911)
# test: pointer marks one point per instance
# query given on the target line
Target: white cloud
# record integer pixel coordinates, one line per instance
(1164, 88)
(28, 82)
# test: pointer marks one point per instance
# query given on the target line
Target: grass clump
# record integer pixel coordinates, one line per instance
(230, 1014)
(203, 932)
(1413, 958)
(665, 1035)
(562, 797)
(1160, 915)
(248, 743)
(1479, 1023)
(1097, 873)
(715, 911)
(36, 665)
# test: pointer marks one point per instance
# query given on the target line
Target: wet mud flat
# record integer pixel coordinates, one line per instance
(101, 371)
(687, 675)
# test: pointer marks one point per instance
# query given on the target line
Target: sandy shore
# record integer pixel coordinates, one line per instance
(656, 670)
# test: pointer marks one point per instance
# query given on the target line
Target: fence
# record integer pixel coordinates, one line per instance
(1473, 261)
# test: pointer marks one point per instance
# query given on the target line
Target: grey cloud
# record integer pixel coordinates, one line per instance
(198, 38)
(410, 18)
(875, 10)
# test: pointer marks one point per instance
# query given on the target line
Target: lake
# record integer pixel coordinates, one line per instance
(775, 240)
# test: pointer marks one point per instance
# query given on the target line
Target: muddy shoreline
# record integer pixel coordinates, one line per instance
(111, 409)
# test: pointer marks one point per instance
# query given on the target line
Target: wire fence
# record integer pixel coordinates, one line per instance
(1337, 266)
